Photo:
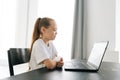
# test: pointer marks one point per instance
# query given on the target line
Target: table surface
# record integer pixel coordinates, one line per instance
(108, 71)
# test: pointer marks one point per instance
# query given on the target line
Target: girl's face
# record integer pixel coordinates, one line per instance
(50, 33)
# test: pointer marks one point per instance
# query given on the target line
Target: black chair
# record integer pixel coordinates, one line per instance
(17, 56)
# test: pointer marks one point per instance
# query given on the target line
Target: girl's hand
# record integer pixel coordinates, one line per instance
(60, 62)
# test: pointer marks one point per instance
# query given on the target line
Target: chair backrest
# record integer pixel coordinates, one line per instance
(17, 56)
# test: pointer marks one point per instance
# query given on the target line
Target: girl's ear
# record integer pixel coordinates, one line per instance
(43, 29)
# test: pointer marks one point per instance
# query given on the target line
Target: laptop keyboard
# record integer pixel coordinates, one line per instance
(76, 65)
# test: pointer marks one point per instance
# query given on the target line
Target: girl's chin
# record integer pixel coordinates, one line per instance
(53, 38)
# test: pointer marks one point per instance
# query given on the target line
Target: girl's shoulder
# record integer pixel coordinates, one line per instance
(38, 42)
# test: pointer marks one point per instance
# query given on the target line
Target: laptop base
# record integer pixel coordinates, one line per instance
(68, 67)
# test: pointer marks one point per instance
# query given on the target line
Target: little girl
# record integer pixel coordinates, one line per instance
(43, 52)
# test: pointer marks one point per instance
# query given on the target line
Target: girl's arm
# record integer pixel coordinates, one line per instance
(50, 64)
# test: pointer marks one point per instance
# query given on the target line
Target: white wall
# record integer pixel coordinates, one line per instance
(21, 23)
(26, 15)
(32, 16)
(99, 24)
(117, 26)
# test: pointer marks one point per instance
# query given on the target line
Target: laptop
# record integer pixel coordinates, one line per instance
(94, 61)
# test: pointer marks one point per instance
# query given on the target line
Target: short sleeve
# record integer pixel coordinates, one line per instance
(40, 53)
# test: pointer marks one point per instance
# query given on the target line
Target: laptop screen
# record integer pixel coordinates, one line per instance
(97, 53)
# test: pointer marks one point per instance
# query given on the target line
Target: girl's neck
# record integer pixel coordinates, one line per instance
(46, 41)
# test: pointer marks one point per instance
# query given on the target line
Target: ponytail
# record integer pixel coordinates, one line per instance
(36, 32)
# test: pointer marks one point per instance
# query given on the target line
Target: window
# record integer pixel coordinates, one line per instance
(7, 26)
(62, 11)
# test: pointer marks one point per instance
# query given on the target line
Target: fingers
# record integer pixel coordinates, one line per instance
(60, 64)
(61, 59)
